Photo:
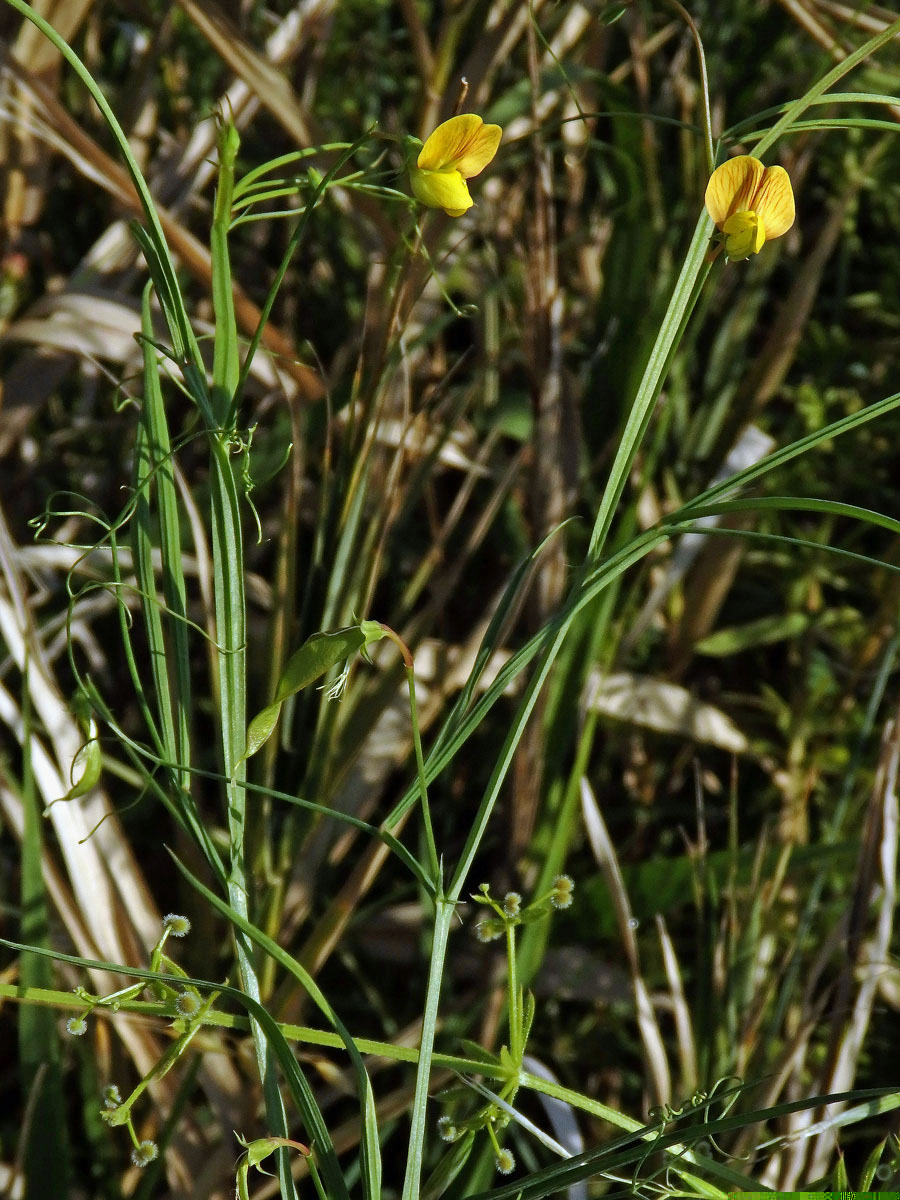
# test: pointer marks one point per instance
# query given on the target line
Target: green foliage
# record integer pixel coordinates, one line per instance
(551, 443)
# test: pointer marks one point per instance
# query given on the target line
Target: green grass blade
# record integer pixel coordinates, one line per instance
(740, 129)
(693, 273)
(153, 466)
(46, 1150)
(784, 455)
(226, 361)
(633, 1149)
(599, 579)
(818, 89)
(296, 239)
(444, 916)
(835, 508)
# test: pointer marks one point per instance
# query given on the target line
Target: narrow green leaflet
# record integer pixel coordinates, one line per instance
(317, 655)
(85, 769)
(766, 630)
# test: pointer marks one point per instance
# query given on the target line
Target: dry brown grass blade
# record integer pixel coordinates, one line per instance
(260, 82)
(102, 868)
(318, 947)
(442, 572)
(656, 1064)
(418, 36)
(94, 324)
(780, 348)
(871, 19)
(23, 168)
(116, 918)
(93, 878)
(58, 889)
(32, 49)
(866, 957)
(553, 461)
(506, 26)
(709, 583)
(687, 1047)
(71, 140)
(180, 181)
(819, 32)
(705, 591)
(264, 80)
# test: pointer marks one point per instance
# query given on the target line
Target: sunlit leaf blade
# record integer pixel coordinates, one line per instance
(317, 655)
(260, 729)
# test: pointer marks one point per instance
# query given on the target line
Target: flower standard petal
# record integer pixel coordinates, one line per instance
(479, 151)
(774, 202)
(732, 186)
(463, 142)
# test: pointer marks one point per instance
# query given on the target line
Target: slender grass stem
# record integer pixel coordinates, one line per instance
(444, 914)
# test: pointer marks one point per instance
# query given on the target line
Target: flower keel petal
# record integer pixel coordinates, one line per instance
(745, 234)
(441, 189)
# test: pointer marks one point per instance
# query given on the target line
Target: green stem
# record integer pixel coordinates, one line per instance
(444, 914)
(296, 238)
(516, 1041)
(693, 272)
(433, 859)
(231, 622)
(409, 665)
(704, 84)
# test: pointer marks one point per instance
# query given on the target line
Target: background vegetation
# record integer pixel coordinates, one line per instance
(712, 756)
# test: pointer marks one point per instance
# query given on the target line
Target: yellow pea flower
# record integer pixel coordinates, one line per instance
(457, 150)
(750, 204)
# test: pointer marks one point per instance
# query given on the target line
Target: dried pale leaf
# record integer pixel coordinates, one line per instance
(454, 450)
(666, 707)
(84, 324)
(604, 851)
